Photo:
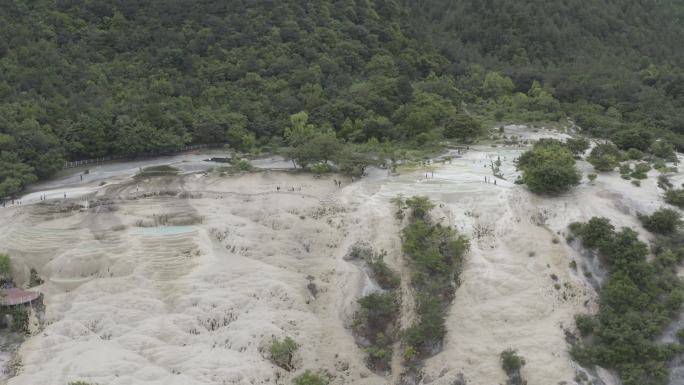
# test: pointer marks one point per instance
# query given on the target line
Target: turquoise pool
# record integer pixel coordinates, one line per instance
(163, 230)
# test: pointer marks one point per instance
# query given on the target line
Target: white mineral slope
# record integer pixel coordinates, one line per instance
(199, 299)
(508, 297)
(195, 303)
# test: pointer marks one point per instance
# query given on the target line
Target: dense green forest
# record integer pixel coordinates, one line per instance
(88, 78)
(610, 63)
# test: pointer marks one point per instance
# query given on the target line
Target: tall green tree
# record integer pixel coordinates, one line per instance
(549, 167)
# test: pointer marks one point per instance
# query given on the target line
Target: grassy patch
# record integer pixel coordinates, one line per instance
(236, 166)
(163, 170)
(5, 268)
(310, 378)
(640, 170)
(282, 353)
(675, 197)
(243, 165)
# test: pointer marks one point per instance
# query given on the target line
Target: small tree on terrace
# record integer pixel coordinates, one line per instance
(420, 206)
(462, 126)
(638, 139)
(605, 157)
(512, 363)
(577, 145)
(309, 144)
(663, 221)
(282, 353)
(353, 159)
(549, 168)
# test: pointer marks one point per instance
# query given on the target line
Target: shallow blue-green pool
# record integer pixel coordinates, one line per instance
(163, 230)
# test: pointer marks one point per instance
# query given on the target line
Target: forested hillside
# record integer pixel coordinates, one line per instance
(612, 63)
(81, 79)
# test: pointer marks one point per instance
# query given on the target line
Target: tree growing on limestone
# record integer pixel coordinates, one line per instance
(549, 168)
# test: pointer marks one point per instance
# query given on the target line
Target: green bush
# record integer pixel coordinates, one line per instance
(635, 154)
(321, 168)
(640, 170)
(585, 324)
(429, 328)
(591, 177)
(380, 352)
(462, 126)
(310, 378)
(663, 182)
(633, 139)
(512, 363)
(662, 221)
(660, 165)
(420, 206)
(675, 197)
(435, 257)
(20, 320)
(375, 323)
(551, 178)
(5, 268)
(34, 278)
(577, 145)
(604, 157)
(243, 165)
(594, 232)
(638, 300)
(433, 250)
(549, 167)
(282, 353)
(153, 171)
(625, 169)
(376, 311)
(663, 149)
(386, 278)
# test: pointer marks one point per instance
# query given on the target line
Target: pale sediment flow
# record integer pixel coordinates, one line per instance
(518, 290)
(188, 280)
(168, 290)
(74, 183)
(507, 298)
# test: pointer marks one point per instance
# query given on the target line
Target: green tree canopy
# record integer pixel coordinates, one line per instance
(548, 168)
(463, 126)
(605, 157)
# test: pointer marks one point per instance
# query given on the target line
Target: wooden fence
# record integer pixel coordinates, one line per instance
(105, 159)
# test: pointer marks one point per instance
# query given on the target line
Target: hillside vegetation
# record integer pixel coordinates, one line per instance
(82, 79)
(611, 64)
